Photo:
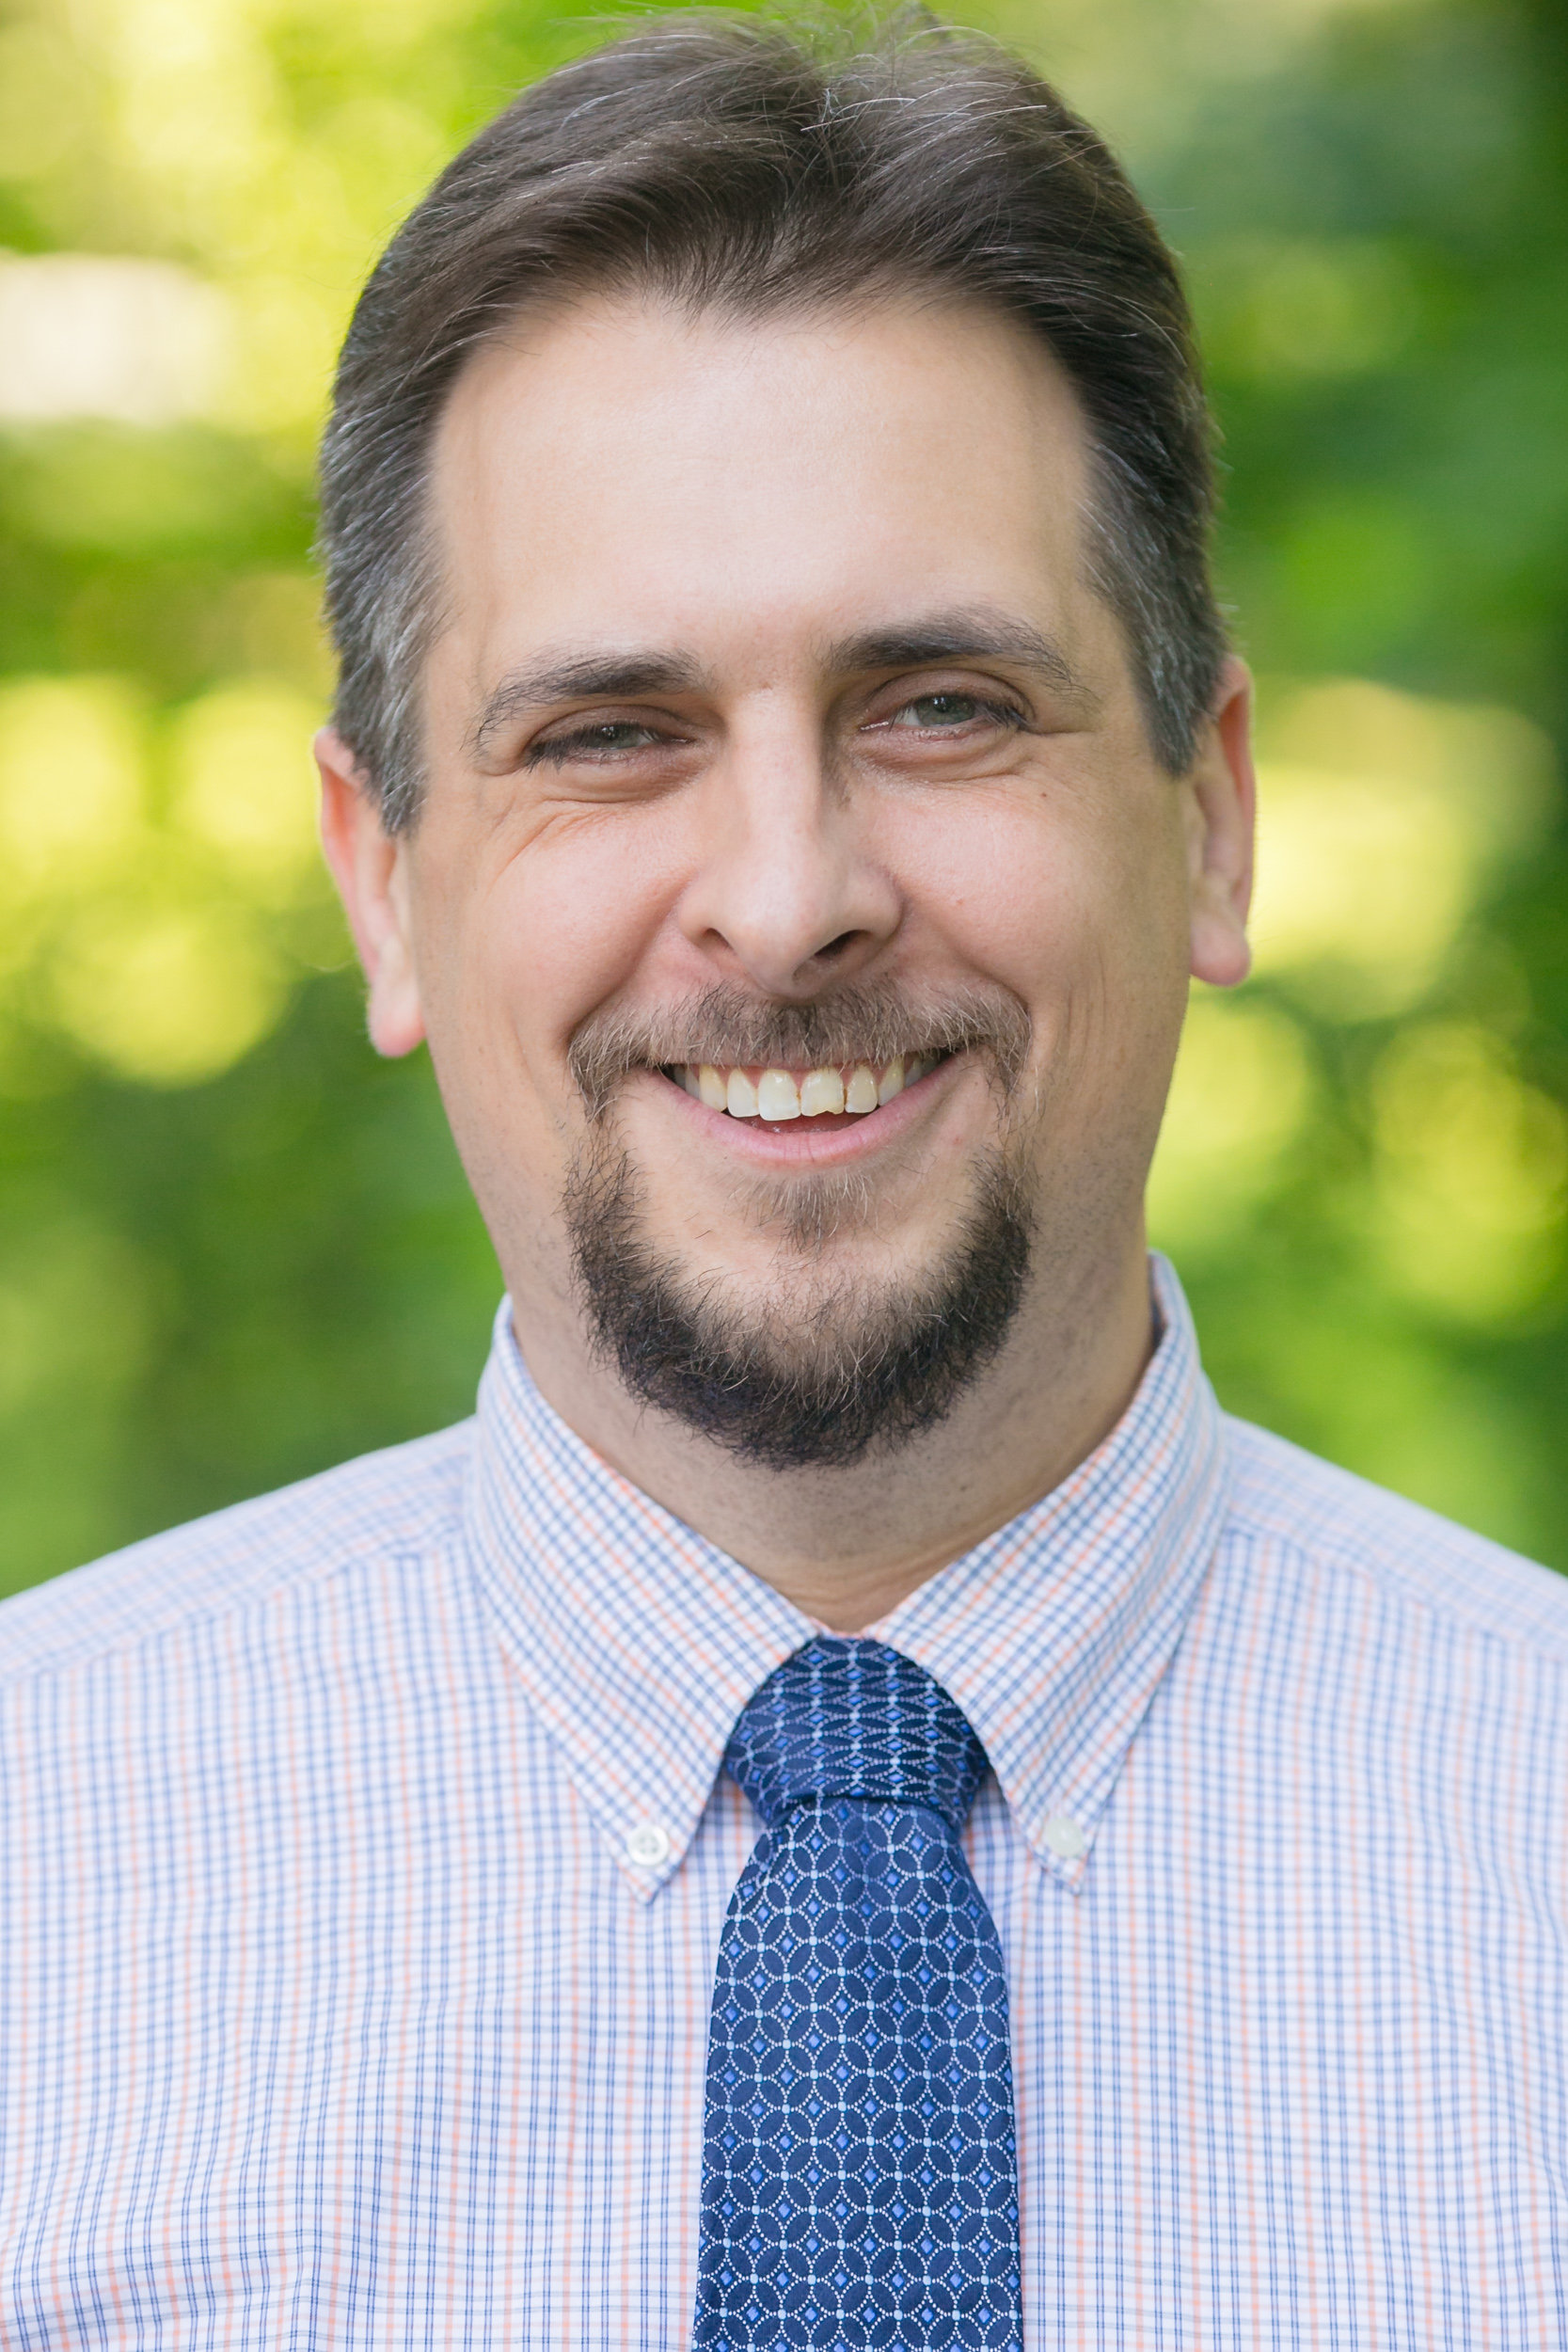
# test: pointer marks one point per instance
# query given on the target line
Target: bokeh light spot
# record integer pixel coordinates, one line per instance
(243, 785)
(1381, 819)
(1241, 1096)
(167, 992)
(71, 780)
(1472, 1170)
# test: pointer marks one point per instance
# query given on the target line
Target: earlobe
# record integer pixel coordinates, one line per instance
(1222, 807)
(369, 867)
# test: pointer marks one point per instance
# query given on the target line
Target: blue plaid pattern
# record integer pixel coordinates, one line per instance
(860, 2175)
(365, 1854)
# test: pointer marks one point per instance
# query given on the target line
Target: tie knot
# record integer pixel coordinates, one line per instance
(854, 1719)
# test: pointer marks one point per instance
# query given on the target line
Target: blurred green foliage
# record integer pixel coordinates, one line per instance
(234, 1248)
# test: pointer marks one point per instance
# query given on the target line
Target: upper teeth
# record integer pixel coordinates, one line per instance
(780, 1094)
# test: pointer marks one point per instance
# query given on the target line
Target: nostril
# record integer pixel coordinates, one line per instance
(837, 947)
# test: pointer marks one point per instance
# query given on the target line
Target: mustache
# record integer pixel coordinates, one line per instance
(730, 1027)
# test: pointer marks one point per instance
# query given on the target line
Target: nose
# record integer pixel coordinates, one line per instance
(787, 891)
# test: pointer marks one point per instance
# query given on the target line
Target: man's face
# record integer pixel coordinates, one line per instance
(780, 751)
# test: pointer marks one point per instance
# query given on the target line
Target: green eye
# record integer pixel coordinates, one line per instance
(935, 713)
(616, 735)
(944, 710)
(592, 742)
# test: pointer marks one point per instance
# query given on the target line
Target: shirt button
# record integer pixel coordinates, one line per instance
(1064, 1836)
(648, 1845)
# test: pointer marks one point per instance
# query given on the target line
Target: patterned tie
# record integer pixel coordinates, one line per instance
(860, 2175)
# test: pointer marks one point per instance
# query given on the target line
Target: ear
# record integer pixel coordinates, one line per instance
(1222, 802)
(370, 866)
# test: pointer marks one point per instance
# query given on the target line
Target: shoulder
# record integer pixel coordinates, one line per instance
(1315, 1518)
(384, 1506)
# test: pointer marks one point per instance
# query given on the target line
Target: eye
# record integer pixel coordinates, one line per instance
(604, 738)
(947, 712)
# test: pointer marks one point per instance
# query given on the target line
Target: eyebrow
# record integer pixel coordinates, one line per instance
(581, 677)
(974, 633)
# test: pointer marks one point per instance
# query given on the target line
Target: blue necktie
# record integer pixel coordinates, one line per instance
(859, 2174)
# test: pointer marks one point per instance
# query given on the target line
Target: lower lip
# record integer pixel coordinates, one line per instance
(824, 1142)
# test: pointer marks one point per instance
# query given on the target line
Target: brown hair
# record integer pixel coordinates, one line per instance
(757, 167)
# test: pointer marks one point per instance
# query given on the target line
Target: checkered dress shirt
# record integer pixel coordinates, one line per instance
(364, 1858)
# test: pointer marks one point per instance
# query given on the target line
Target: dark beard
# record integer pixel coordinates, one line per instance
(864, 1373)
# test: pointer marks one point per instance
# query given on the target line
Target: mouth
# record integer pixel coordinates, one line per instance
(842, 1093)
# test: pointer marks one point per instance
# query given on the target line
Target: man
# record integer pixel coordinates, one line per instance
(850, 1807)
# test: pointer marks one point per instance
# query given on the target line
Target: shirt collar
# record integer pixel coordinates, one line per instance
(639, 1643)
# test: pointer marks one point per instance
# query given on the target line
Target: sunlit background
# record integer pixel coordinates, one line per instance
(234, 1248)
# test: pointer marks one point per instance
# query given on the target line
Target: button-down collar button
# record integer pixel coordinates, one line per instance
(647, 1845)
(1064, 1836)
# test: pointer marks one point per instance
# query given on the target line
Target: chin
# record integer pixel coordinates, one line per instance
(840, 1344)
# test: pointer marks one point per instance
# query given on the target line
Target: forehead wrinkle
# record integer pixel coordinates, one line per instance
(582, 676)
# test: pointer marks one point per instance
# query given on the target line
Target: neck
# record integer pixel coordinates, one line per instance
(848, 1544)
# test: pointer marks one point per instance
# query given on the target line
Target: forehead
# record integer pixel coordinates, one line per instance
(624, 466)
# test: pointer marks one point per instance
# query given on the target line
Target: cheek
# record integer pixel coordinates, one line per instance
(549, 933)
(1064, 896)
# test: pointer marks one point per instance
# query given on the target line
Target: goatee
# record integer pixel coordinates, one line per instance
(862, 1370)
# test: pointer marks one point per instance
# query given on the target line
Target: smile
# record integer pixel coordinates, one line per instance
(826, 1093)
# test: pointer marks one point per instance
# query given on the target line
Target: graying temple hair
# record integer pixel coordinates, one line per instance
(753, 167)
